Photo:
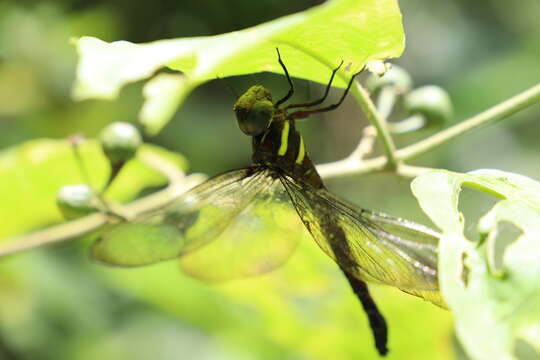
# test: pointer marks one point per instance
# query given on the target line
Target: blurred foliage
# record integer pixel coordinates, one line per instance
(54, 304)
(34, 172)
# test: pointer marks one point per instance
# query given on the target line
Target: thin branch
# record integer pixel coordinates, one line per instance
(495, 113)
(355, 159)
(355, 163)
(178, 183)
(409, 171)
(54, 234)
(378, 122)
(349, 166)
(385, 101)
(366, 143)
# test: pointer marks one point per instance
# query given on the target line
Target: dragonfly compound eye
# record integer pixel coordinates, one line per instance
(255, 121)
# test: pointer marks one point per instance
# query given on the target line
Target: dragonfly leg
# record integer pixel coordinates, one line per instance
(291, 89)
(376, 319)
(326, 91)
(305, 113)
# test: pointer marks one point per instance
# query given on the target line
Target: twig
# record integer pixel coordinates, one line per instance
(54, 234)
(410, 171)
(378, 122)
(365, 146)
(497, 112)
(350, 166)
(355, 159)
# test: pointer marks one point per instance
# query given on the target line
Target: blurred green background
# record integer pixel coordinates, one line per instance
(55, 304)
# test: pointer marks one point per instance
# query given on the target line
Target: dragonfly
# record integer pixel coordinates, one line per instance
(249, 221)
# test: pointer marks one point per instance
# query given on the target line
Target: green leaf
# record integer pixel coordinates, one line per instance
(32, 173)
(311, 43)
(495, 313)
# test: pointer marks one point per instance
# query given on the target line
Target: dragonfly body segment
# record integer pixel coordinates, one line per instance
(249, 221)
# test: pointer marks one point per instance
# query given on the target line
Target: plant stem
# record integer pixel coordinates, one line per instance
(378, 121)
(409, 171)
(54, 234)
(349, 166)
(497, 112)
(385, 101)
(409, 124)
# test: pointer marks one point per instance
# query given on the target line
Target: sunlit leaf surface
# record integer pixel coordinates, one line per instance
(311, 42)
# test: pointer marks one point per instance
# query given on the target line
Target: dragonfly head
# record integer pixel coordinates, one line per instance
(254, 110)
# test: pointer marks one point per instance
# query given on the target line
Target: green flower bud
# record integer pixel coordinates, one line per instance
(120, 141)
(430, 101)
(75, 201)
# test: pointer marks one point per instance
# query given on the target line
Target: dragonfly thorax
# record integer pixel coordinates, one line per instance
(276, 142)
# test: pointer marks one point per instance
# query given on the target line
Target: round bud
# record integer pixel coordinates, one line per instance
(75, 201)
(120, 141)
(395, 77)
(430, 101)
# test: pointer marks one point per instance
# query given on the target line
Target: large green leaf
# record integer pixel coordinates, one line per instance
(311, 42)
(496, 311)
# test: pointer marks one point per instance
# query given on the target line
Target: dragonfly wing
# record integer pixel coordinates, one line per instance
(135, 244)
(259, 239)
(371, 246)
(238, 224)
(189, 222)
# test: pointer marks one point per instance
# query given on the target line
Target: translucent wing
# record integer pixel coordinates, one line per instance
(259, 239)
(370, 246)
(174, 230)
(238, 224)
